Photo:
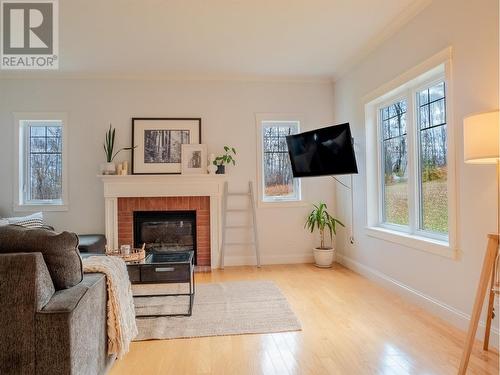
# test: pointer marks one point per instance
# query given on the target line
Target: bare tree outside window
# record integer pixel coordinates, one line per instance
(277, 169)
(433, 158)
(431, 142)
(44, 172)
(395, 157)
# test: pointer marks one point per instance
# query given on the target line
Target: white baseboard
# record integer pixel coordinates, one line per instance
(249, 260)
(446, 312)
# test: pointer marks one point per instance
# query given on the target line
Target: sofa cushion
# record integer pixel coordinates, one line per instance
(31, 221)
(59, 250)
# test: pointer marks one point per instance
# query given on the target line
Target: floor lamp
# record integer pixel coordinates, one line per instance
(481, 146)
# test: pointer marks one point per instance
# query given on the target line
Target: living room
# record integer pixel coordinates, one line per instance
(380, 258)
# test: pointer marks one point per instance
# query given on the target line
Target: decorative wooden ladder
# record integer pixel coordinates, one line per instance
(225, 226)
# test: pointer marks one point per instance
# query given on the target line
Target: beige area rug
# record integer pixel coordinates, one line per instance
(230, 308)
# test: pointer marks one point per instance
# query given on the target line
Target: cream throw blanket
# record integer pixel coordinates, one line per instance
(120, 305)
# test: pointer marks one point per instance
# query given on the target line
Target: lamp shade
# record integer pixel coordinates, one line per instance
(481, 138)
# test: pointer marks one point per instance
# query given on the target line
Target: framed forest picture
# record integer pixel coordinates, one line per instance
(159, 143)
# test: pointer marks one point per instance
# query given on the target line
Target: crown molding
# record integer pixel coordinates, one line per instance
(387, 32)
(41, 75)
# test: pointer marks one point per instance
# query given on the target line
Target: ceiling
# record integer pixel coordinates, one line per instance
(223, 39)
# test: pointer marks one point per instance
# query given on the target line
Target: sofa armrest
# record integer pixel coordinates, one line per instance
(67, 300)
(72, 328)
(25, 286)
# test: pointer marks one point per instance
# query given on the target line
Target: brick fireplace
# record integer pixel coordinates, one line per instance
(200, 193)
(126, 206)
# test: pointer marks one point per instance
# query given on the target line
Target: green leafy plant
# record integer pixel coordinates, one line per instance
(320, 218)
(226, 158)
(109, 145)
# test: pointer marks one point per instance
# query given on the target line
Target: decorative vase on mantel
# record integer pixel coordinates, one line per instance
(212, 169)
(108, 168)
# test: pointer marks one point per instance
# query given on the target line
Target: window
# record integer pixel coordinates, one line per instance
(275, 173)
(428, 155)
(395, 163)
(41, 165)
(432, 168)
(410, 174)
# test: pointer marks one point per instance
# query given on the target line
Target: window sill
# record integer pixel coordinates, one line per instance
(281, 204)
(441, 248)
(41, 207)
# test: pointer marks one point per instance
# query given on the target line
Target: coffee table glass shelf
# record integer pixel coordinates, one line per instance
(175, 267)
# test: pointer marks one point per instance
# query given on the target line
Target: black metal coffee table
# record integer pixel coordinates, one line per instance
(164, 268)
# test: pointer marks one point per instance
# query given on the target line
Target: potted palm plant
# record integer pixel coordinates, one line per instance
(320, 219)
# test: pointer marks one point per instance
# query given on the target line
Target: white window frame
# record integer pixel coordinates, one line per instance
(262, 202)
(434, 70)
(20, 160)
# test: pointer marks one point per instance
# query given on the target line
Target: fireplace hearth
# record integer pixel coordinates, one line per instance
(163, 231)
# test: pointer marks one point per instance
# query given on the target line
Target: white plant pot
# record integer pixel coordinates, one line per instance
(108, 168)
(323, 257)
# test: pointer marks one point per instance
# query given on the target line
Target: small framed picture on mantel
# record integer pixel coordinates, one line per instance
(194, 159)
(159, 143)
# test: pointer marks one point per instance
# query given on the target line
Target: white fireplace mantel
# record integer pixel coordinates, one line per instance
(164, 186)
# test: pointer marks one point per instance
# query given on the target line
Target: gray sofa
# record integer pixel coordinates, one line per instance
(52, 316)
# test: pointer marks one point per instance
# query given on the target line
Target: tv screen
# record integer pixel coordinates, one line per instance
(325, 151)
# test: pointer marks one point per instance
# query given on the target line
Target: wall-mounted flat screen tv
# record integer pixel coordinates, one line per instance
(320, 152)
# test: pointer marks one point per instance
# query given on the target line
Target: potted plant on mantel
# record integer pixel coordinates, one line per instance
(320, 218)
(109, 145)
(224, 159)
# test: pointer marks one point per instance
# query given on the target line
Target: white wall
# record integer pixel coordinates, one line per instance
(227, 110)
(442, 285)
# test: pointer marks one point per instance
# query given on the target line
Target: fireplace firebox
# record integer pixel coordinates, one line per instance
(165, 230)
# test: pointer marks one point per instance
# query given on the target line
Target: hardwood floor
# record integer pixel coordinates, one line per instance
(350, 326)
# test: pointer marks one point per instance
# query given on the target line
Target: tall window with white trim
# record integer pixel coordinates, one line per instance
(43, 181)
(411, 187)
(413, 160)
(41, 164)
(277, 180)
